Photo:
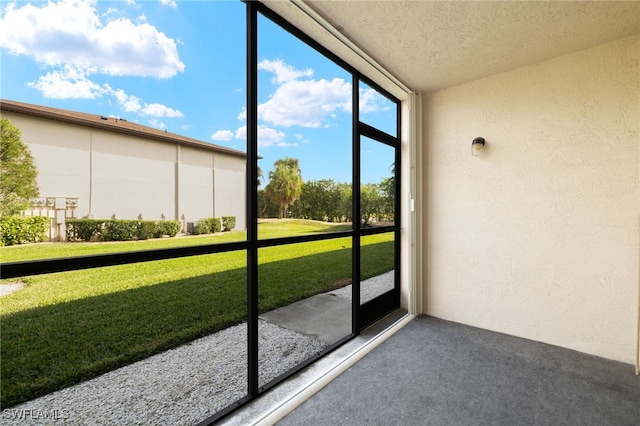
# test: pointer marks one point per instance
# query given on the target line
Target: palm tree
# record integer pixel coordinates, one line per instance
(285, 184)
(260, 176)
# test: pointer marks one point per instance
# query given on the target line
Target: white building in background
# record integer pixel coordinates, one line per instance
(116, 168)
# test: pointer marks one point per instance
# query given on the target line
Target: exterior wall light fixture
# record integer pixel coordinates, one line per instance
(477, 145)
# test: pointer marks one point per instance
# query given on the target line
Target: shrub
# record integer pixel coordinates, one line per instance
(201, 227)
(207, 226)
(146, 229)
(83, 229)
(119, 230)
(228, 223)
(21, 230)
(215, 224)
(167, 227)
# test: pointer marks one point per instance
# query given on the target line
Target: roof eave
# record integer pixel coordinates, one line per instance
(26, 109)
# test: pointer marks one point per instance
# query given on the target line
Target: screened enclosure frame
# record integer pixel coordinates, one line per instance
(362, 315)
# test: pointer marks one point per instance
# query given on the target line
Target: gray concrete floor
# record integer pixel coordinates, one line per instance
(435, 372)
(255, 411)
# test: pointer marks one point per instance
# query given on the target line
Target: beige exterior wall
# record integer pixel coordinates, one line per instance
(131, 177)
(127, 176)
(539, 238)
(196, 181)
(199, 172)
(62, 156)
(230, 188)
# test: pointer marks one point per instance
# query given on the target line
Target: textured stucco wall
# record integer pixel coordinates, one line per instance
(539, 237)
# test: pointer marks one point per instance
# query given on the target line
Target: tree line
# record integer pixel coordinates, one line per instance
(288, 196)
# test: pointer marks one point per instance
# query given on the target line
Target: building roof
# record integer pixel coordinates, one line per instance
(117, 125)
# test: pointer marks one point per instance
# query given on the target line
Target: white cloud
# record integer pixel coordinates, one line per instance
(70, 33)
(70, 39)
(266, 137)
(369, 101)
(69, 83)
(306, 103)
(301, 138)
(157, 124)
(243, 114)
(282, 71)
(222, 135)
(241, 133)
(301, 100)
(269, 137)
(159, 110)
(284, 144)
(129, 103)
(168, 3)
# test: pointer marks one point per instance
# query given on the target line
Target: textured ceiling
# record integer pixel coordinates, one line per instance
(431, 45)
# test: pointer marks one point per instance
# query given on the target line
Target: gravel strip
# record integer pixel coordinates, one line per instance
(181, 386)
(184, 385)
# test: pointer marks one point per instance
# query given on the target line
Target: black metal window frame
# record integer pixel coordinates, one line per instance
(362, 315)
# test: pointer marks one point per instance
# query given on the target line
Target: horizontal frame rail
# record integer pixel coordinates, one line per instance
(75, 263)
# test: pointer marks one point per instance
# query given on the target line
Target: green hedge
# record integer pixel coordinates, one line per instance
(228, 223)
(201, 227)
(119, 230)
(170, 228)
(146, 229)
(22, 230)
(212, 225)
(83, 229)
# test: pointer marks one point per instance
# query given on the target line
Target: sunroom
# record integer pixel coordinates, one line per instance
(511, 134)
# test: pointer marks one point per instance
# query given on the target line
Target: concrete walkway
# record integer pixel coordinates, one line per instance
(327, 317)
(6, 289)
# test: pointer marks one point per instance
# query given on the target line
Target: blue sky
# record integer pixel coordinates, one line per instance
(180, 66)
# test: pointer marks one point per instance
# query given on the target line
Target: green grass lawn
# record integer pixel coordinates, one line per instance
(67, 327)
(269, 228)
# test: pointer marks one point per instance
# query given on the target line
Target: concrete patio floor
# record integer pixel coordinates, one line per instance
(438, 372)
